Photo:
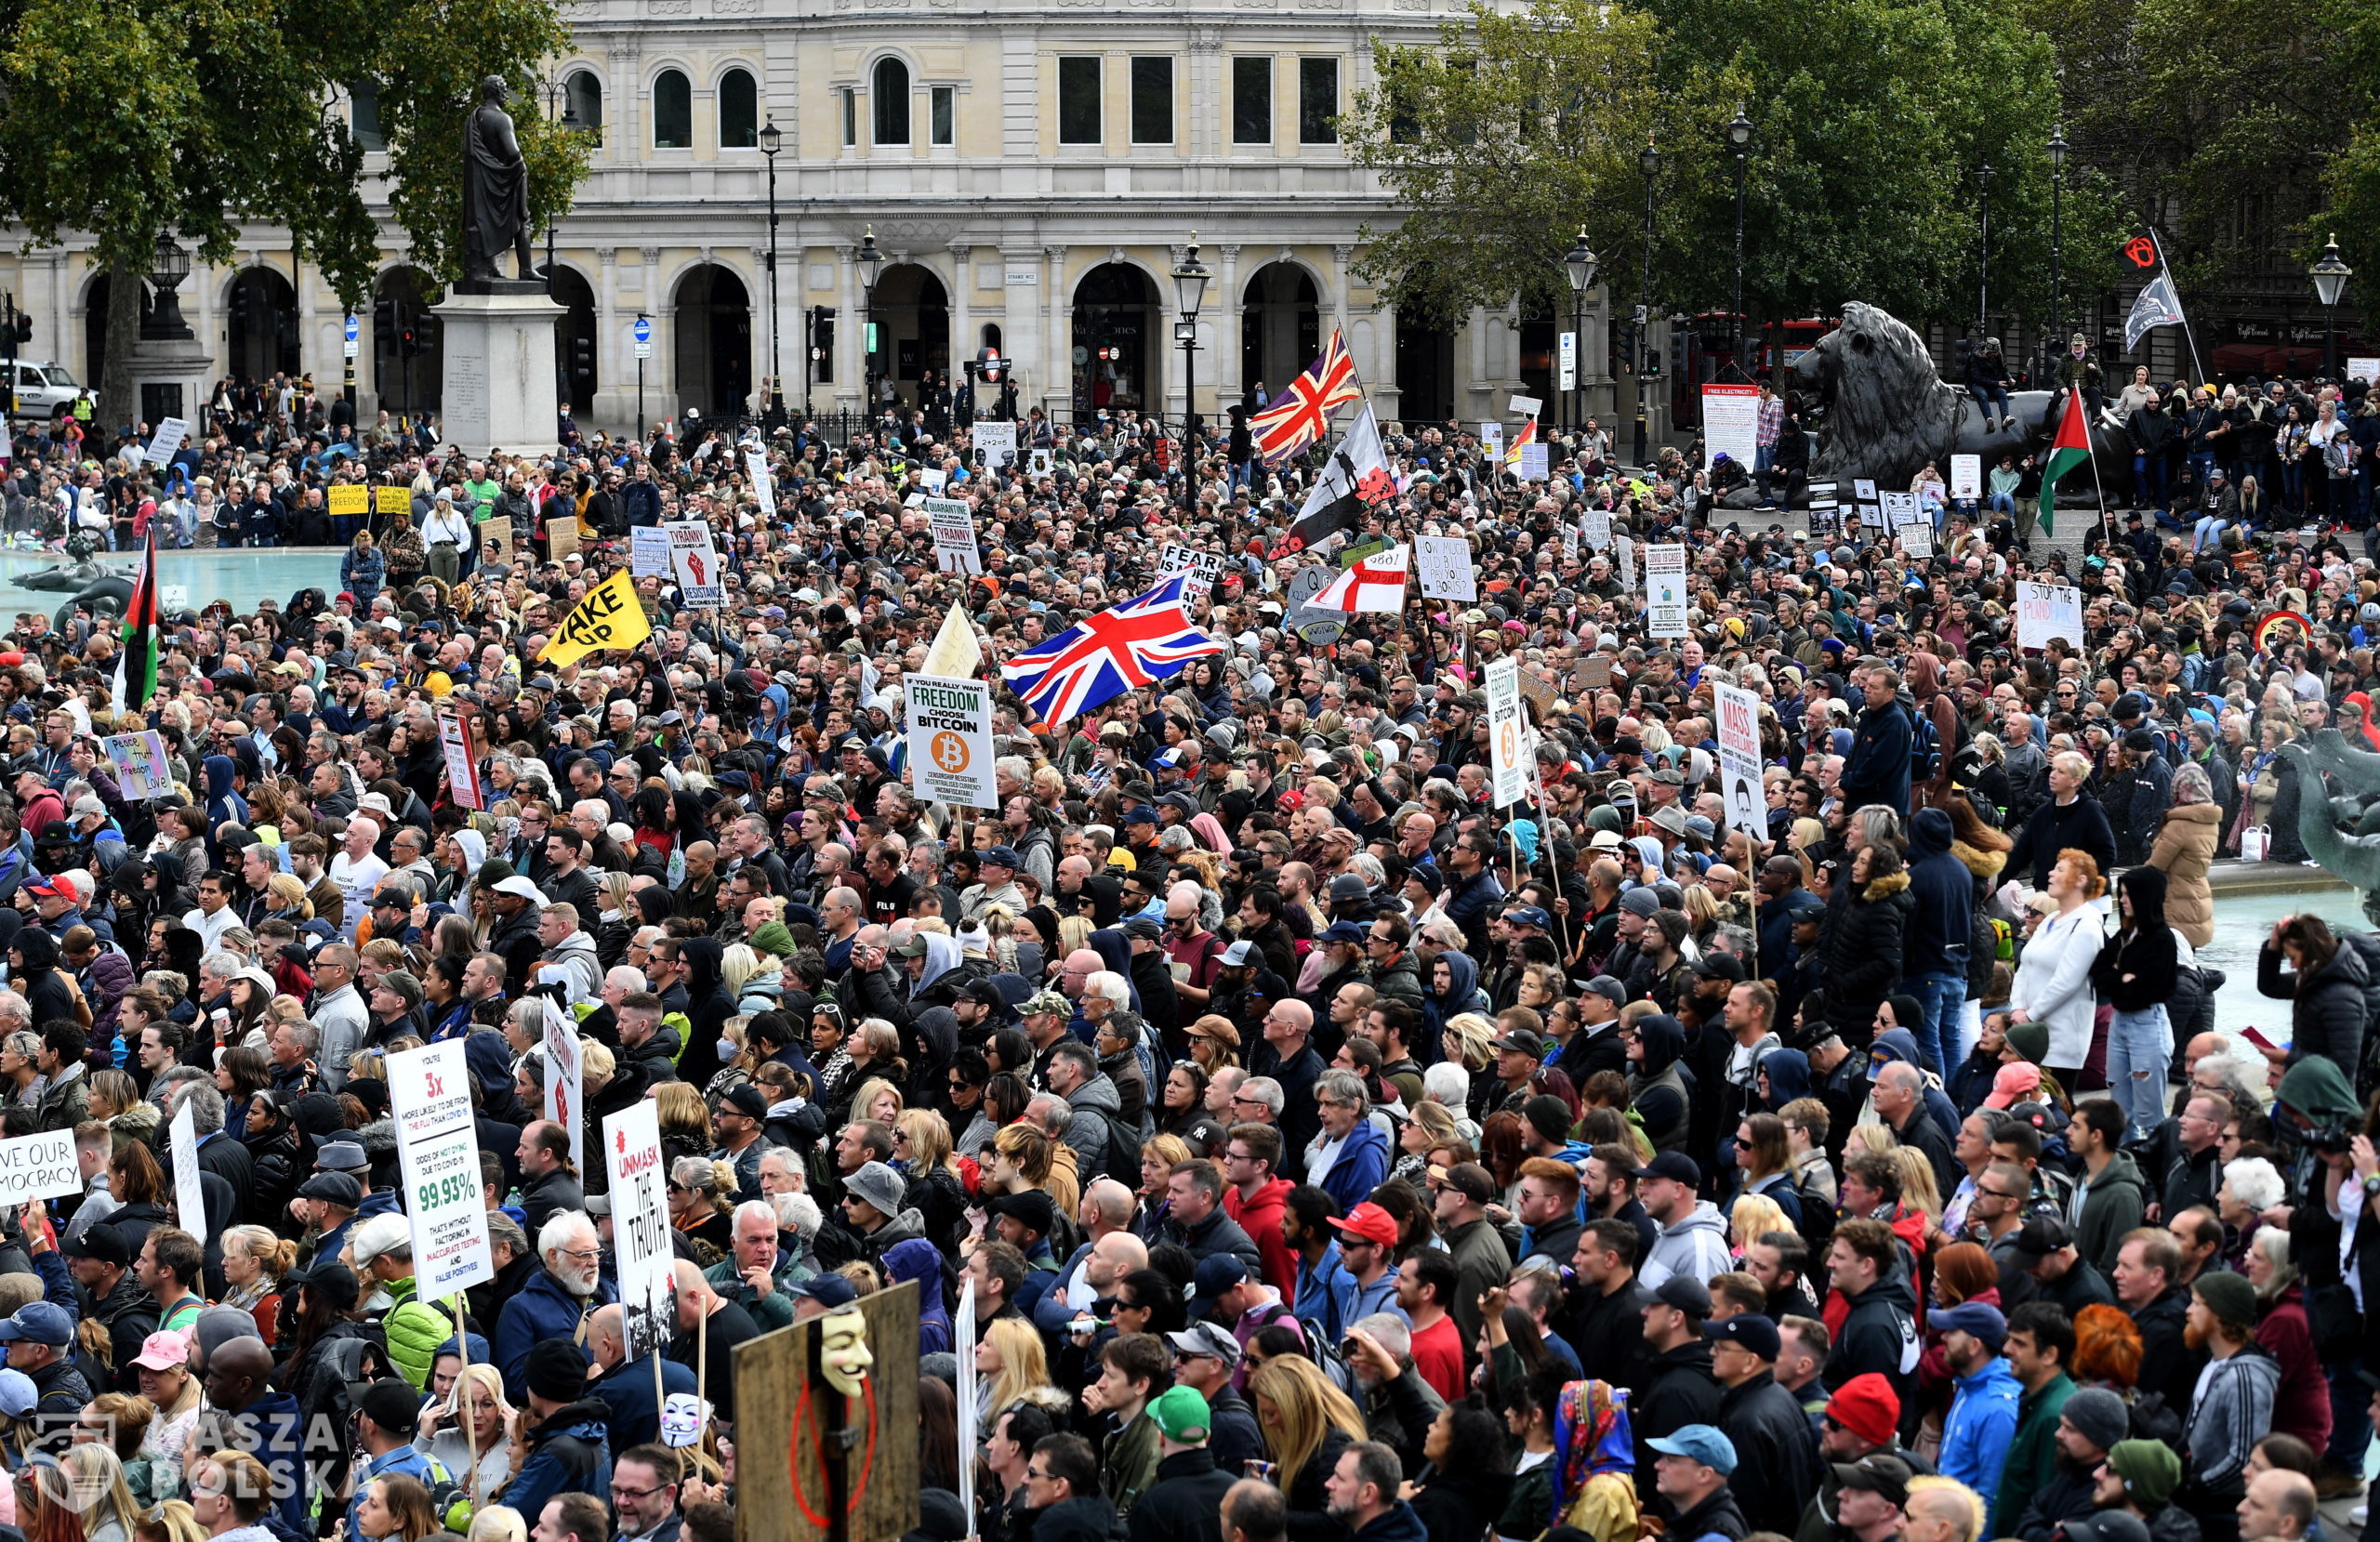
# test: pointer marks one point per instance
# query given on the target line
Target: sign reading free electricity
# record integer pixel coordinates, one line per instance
(950, 741)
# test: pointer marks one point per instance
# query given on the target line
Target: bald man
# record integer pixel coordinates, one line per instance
(626, 1386)
(702, 1310)
(1108, 1252)
(1288, 1058)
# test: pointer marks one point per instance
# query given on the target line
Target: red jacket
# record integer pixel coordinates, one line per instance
(1260, 1219)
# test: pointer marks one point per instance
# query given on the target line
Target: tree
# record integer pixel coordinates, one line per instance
(139, 121)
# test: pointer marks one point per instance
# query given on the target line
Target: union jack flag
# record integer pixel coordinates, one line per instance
(1144, 640)
(1301, 413)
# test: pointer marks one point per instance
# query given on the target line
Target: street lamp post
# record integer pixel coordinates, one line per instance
(1580, 268)
(1983, 254)
(557, 93)
(870, 260)
(1190, 278)
(771, 142)
(2057, 241)
(1649, 163)
(2330, 276)
(1740, 142)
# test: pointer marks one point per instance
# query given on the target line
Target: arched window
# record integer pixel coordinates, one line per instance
(586, 102)
(891, 90)
(673, 111)
(739, 111)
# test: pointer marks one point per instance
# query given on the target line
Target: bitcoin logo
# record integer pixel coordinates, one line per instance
(949, 752)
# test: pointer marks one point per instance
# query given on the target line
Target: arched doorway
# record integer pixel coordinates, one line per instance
(912, 326)
(408, 353)
(261, 332)
(1116, 316)
(574, 363)
(1280, 325)
(1424, 369)
(714, 342)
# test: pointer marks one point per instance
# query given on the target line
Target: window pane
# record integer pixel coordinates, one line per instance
(822, 336)
(363, 119)
(946, 114)
(1079, 101)
(1251, 101)
(739, 111)
(587, 100)
(1153, 102)
(1318, 100)
(673, 111)
(891, 93)
(851, 117)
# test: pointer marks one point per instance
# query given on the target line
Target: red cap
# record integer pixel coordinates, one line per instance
(1373, 1224)
(1868, 1407)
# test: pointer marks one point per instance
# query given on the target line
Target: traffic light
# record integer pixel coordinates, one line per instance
(408, 344)
(384, 321)
(582, 355)
(24, 329)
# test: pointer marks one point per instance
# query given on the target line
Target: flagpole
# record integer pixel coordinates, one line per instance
(2198, 371)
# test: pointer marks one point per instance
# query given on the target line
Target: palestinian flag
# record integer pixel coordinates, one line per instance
(136, 666)
(2069, 450)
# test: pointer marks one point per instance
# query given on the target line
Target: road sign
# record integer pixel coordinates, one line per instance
(644, 350)
(352, 347)
(644, 329)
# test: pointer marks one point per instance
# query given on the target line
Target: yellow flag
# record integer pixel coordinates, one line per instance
(955, 656)
(611, 616)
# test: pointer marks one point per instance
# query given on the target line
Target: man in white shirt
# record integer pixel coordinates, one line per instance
(214, 915)
(358, 870)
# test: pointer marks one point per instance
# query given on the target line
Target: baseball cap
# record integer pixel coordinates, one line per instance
(1675, 1165)
(392, 1403)
(164, 1349)
(1685, 1293)
(1746, 1330)
(1698, 1443)
(1002, 856)
(1035, 1209)
(1048, 1001)
(1368, 1222)
(103, 1243)
(1238, 953)
(1976, 1319)
(1609, 989)
(1216, 1273)
(748, 1100)
(1523, 1041)
(1720, 966)
(828, 1290)
(522, 888)
(1212, 1340)
(1342, 931)
(40, 1322)
(1179, 1413)
(2041, 1236)
(1529, 915)
(1878, 1473)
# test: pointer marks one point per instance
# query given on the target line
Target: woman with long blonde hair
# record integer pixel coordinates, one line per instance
(1306, 1422)
(1752, 1217)
(879, 1099)
(1010, 1366)
(479, 1387)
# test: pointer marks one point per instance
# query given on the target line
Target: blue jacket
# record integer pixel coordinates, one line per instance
(403, 1460)
(1943, 889)
(272, 1429)
(1877, 769)
(1320, 1290)
(567, 1454)
(1981, 1422)
(1362, 1165)
(627, 1392)
(542, 1310)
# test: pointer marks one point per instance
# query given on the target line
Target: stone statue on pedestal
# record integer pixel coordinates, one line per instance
(496, 192)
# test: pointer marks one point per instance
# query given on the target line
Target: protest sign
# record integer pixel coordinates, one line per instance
(954, 536)
(611, 616)
(1596, 527)
(1664, 589)
(1508, 771)
(1900, 508)
(1826, 510)
(190, 1194)
(1626, 552)
(695, 562)
(171, 431)
(1863, 490)
(141, 770)
(1491, 435)
(764, 487)
(1917, 540)
(1525, 406)
(641, 1226)
(438, 1152)
(1738, 712)
(39, 1167)
(648, 552)
(1534, 466)
(2046, 612)
(1041, 463)
(1205, 568)
(462, 760)
(998, 442)
(1443, 565)
(950, 741)
(1966, 479)
(565, 1082)
(562, 531)
(347, 499)
(2365, 370)
(392, 500)
(1730, 424)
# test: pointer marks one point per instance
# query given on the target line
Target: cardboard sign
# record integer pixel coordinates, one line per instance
(1205, 568)
(998, 442)
(1596, 667)
(1443, 563)
(1664, 589)
(764, 487)
(190, 1194)
(2048, 612)
(1525, 406)
(171, 431)
(141, 770)
(462, 761)
(639, 1225)
(348, 498)
(648, 552)
(697, 564)
(1966, 479)
(565, 1082)
(1917, 540)
(562, 531)
(392, 500)
(1730, 425)
(40, 1166)
(496, 544)
(950, 741)
(438, 1152)
(1738, 712)
(1597, 528)
(1507, 763)
(954, 536)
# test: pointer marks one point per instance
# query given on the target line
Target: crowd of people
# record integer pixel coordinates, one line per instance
(1331, 1152)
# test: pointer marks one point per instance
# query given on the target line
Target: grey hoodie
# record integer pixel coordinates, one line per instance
(1697, 1245)
(581, 968)
(2230, 1412)
(1094, 1102)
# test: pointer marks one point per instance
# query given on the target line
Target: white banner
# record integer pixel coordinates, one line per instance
(171, 431)
(764, 486)
(1731, 424)
(1443, 563)
(189, 1196)
(566, 1081)
(970, 1419)
(954, 536)
(950, 741)
(648, 552)
(1664, 589)
(2046, 612)
(2365, 370)
(40, 1166)
(1508, 768)
(641, 1226)
(1966, 479)
(1626, 553)
(438, 1151)
(997, 440)
(1535, 463)
(462, 766)
(1739, 758)
(1525, 406)
(1597, 528)
(1900, 508)
(695, 562)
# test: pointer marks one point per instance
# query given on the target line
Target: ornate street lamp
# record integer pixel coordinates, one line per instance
(1190, 277)
(1580, 268)
(2330, 276)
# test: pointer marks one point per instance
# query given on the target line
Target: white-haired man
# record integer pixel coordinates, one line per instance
(556, 1299)
(756, 1271)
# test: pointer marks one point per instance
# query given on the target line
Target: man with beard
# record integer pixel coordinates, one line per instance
(1678, 1389)
(1245, 989)
(558, 1299)
(2039, 1346)
(2093, 1422)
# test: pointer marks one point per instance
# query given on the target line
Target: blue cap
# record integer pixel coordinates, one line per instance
(828, 1290)
(1217, 1272)
(1529, 916)
(40, 1322)
(1342, 931)
(1698, 1443)
(1140, 813)
(1976, 1319)
(1002, 856)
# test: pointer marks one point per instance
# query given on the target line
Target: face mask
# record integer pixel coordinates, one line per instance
(728, 1049)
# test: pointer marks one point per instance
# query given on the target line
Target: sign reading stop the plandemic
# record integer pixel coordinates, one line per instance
(950, 741)
(38, 1167)
(438, 1152)
(2047, 612)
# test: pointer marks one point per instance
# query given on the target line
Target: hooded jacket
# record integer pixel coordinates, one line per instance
(2326, 1014)
(1093, 1105)
(707, 1009)
(2137, 965)
(1982, 1421)
(2231, 1411)
(568, 1453)
(1865, 945)
(1880, 1335)
(576, 958)
(1260, 1219)
(1695, 1246)
(1361, 1166)
(1462, 995)
(1941, 895)
(1657, 1090)
(2113, 1203)
(2186, 844)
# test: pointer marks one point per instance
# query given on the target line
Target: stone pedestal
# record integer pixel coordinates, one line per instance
(170, 378)
(500, 390)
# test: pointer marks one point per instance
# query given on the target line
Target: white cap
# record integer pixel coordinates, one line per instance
(523, 888)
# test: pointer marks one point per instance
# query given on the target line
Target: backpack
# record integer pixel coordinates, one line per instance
(1924, 748)
(1123, 1151)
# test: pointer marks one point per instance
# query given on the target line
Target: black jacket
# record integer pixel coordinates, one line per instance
(2167, 1364)
(1776, 1456)
(1678, 1389)
(1185, 1502)
(2326, 1013)
(1879, 1335)
(1717, 1516)
(1459, 1506)
(2081, 824)
(1863, 956)
(1608, 1333)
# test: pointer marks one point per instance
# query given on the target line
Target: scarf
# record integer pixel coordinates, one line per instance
(1590, 1438)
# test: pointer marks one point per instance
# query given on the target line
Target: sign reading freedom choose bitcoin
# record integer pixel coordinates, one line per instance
(611, 616)
(950, 741)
